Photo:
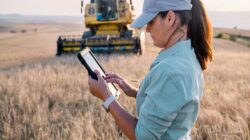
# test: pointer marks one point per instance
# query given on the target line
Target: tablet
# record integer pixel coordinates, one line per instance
(90, 62)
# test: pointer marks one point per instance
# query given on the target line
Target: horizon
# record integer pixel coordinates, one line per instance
(219, 19)
(20, 14)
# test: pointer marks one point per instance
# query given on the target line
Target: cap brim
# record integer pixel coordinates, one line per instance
(142, 20)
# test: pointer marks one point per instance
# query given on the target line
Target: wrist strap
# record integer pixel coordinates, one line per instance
(108, 102)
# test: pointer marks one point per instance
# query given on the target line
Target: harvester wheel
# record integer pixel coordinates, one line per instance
(59, 46)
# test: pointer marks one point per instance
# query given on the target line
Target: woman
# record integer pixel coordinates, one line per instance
(168, 98)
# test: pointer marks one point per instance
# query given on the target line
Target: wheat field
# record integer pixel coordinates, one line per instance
(46, 97)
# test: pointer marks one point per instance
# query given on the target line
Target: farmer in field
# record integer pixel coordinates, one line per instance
(168, 99)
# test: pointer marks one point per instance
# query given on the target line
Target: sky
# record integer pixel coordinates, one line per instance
(72, 7)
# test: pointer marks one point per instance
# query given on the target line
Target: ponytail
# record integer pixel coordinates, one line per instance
(200, 32)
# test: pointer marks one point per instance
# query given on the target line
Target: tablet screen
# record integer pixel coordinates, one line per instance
(94, 65)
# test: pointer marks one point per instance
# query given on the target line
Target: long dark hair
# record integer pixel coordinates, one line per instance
(199, 31)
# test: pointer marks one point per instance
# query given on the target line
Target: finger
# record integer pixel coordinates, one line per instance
(97, 72)
(118, 76)
(98, 75)
(108, 76)
(113, 80)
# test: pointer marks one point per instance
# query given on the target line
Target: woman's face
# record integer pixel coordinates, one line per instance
(160, 29)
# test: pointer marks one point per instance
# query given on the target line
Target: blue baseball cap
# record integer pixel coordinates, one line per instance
(152, 7)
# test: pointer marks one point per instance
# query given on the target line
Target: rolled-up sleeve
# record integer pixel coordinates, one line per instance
(165, 96)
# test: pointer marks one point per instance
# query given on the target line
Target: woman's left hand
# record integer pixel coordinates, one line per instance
(99, 88)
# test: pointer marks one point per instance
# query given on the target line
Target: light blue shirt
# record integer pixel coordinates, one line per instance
(169, 96)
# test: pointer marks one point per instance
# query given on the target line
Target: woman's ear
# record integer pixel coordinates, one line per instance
(171, 17)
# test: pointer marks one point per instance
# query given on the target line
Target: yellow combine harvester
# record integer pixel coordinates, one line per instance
(107, 21)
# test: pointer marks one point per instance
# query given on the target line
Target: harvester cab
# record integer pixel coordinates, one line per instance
(107, 23)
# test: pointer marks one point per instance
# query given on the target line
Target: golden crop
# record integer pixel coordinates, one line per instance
(46, 97)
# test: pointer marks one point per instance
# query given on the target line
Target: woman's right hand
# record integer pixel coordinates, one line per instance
(128, 89)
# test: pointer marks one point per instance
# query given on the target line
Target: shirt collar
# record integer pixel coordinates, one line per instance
(178, 47)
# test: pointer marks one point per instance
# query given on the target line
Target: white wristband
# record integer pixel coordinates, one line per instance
(108, 102)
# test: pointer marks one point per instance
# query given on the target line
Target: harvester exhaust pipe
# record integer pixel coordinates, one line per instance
(131, 3)
(82, 3)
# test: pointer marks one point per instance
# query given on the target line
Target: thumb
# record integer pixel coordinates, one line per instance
(120, 82)
(98, 74)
